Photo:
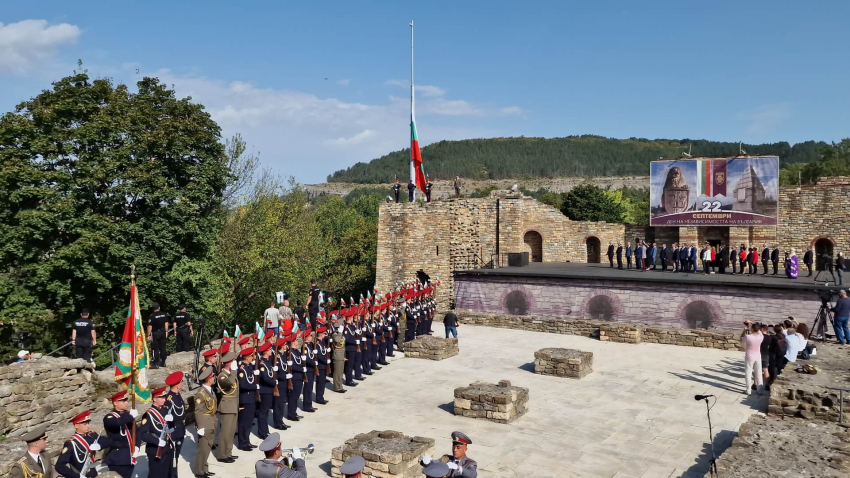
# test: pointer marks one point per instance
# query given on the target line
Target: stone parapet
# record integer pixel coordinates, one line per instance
(807, 396)
(500, 403)
(431, 348)
(388, 454)
(563, 362)
(723, 339)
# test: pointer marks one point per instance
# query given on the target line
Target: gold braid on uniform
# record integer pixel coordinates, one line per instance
(29, 473)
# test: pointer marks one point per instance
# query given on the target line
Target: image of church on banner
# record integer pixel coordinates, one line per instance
(736, 191)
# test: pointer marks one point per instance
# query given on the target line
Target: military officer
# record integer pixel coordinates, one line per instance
(352, 467)
(283, 376)
(205, 423)
(117, 424)
(310, 370)
(248, 386)
(410, 320)
(458, 462)
(323, 362)
(338, 353)
(174, 403)
(156, 432)
(268, 383)
(351, 340)
(272, 467)
(367, 344)
(296, 367)
(33, 464)
(79, 451)
(228, 406)
(358, 352)
(210, 357)
(391, 325)
(378, 328)
(383, 325)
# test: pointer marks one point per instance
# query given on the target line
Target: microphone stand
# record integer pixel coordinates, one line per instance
(712, 465)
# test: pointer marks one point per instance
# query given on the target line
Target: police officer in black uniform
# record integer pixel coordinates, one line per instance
(248, 386)
(313, 302)
(83, 336)
(411, 188)
(428, 186)
(396, 189)
(157, 326)
(183, 329)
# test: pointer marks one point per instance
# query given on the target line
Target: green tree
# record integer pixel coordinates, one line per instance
(588, 202)
(94, 178)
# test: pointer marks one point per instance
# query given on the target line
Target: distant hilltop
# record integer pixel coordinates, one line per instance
(573, 156)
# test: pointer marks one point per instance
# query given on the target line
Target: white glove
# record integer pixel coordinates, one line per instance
(363, 339)
(289, 375)
(426, 460)
(452, 466)
(253, 362)
(94, 446)
(329, 360)
(138, 450)
(233, 365)
(274, 368)
(201, 432)
(296, 453)
(82, 475)
(161, 443)
(169, 417)
(258, 386)
(275, 382)
(256, 372)
(339, 329)
(303, 357)
(289, 362)
(134, 413)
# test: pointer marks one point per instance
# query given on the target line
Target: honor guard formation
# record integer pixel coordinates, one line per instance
(250, 380)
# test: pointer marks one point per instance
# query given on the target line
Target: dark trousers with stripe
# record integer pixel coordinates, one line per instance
(350, 357)
(307, 400)
(292, 406)
(358, 364)
(382, 350)
(321, 380)
(263, 409)
(279, 405)
(244, 424)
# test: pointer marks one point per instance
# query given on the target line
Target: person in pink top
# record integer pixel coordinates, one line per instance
(751, 337)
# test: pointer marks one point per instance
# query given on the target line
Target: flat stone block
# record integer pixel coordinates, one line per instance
(388, 454)
(500, 403)
(431, 348)
(563, 362)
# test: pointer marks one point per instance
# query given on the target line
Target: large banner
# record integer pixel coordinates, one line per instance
(740, 191)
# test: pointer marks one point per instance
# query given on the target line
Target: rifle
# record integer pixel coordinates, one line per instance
(90, 459)
(275, 392)
(357, 339)
(372, 324)
(289, 369)
(315, 362)
(165, 430)
(257, 363)
(303, 354)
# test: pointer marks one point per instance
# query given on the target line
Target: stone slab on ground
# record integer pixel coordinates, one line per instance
(563, 362)
(388, 454)
(804, 395)
(431, 348)
(775, 447)
(500, 403)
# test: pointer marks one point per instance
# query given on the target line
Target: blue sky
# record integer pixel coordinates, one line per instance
(748, 71)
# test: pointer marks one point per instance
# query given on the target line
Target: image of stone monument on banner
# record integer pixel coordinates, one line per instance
(734, 191)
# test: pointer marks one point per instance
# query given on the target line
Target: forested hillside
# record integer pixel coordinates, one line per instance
(587, 155)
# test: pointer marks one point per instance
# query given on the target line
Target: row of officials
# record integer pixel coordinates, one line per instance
(243, 382)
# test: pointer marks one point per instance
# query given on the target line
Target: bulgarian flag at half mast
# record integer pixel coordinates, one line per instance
(416, 154)
(131, 367)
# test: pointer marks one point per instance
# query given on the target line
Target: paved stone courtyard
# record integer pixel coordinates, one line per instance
(634, 416)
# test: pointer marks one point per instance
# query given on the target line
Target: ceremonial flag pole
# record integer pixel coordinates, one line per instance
(417, 173)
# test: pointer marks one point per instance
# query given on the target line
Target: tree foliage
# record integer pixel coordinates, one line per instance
(588, 202)
(587, 155)
(94, 178)
(834, 160)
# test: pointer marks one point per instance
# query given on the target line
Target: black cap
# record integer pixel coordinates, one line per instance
(181, 306)
(155, 305)
(84, 311)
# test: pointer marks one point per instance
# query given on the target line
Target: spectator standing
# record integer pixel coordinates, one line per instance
(619, 256)
(808, 259)
(792, 269)
(767, 349)
(457, 185)
(755, 260)
(23, 356)
(842, 318)
(629, 254)
(157, 329)
(713, 258)
(692, 261)
(674, 257)
(733, 259)
(774, 258)
(610, 254)
(706, 259)
(313, 302)
(428, 187)
(83, 336)
(663, 256)
(752, 338)
(749, 259)
(451, 322)
(765, 258)
(411, 190)
(285, 315)
(839, 267)
(743, 257)
(653, 255)
(396, 189)
(271, 318)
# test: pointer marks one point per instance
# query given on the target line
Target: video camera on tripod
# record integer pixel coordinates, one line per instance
(824, 314)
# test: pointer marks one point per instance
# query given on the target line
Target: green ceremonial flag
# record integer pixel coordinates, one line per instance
(131, 368)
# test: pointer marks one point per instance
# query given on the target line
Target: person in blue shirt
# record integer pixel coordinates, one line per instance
(842, 318)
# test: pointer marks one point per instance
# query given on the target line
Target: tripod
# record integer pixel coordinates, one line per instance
(824, 316)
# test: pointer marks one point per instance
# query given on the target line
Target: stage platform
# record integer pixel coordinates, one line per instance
(573, 270)
(595, 291)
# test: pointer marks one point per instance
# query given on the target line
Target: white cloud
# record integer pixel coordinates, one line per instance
(26, 44)
(763, 119)
(356, 139)
(510, 111)
(452, 108)
(428, 91)
(343, 82)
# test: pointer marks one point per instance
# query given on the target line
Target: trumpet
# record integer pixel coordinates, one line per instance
(308, 450)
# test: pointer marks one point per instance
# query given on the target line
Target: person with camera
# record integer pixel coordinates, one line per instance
(752, 338)
(842, 318)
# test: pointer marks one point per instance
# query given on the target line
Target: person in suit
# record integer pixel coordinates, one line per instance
(674, 256)
(663, 257)
(808, 259)
(765, 258)
(653, 255)
(693, 259)
(774, 258)
(619, 256)
(723, 261)
(629, 253)
(205, 422)
(610, 255)
(733, 258)
(639, 254)
(750, 257)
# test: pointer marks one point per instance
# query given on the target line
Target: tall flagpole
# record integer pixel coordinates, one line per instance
(133, 311)
(412, 166)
